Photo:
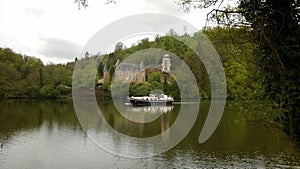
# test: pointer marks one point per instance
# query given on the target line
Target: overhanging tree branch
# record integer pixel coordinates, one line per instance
(84, 3)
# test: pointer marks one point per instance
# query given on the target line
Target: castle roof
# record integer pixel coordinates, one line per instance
(142, 65)
(105, 69)
(127, 67)
(117, 63)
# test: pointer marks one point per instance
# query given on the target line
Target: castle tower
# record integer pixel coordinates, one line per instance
(105, 73)
(166, 64)
(141, 75)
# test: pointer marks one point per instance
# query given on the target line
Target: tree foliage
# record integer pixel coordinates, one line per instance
(275, 28)
(27, 77)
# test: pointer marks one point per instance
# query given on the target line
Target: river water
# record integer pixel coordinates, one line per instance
(47, 134)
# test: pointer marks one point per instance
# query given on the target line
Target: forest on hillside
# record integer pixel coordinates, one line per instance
(27, 77)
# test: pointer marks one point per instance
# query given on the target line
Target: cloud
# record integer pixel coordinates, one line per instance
(68, 29)
(59, 48)
(166, 6)
(34, 11)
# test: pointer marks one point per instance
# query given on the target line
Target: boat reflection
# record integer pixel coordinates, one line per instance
(150, 109)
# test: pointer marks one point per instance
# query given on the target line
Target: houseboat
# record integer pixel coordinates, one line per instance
(152, 99)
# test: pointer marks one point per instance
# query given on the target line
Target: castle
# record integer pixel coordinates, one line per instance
(129, 72)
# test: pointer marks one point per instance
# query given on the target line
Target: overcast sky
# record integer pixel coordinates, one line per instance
(56, 31)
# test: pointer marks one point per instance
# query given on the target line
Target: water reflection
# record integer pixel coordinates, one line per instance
(150, 109)
(116, 133)
(145, 114)
(48, 135)
(16, 115)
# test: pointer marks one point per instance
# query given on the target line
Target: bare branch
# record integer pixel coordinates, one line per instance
(84, 3)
